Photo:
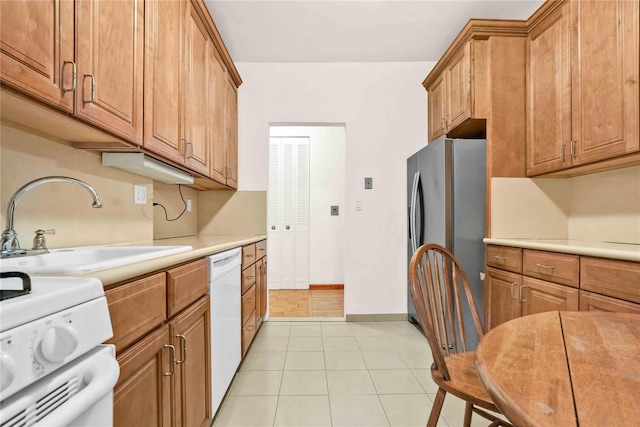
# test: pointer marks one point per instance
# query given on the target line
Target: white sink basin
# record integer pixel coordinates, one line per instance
(86, 259)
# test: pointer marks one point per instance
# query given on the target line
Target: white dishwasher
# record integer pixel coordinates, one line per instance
(226, 323)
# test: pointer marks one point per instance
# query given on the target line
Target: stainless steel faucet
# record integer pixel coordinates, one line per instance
(9, 245)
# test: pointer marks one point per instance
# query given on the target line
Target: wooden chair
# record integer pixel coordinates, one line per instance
(438, 286)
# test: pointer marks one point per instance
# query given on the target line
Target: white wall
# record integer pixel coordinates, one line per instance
(383, 106)
(326, 188)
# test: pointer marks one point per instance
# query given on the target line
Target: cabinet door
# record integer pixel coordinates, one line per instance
(458, 86)
(110, 49)
(36, 49)
(595, 302)
(217, 112)
(185, 284)
(437, 125)
(259, 286)
(142, 395)
(501, 300)
(538, 296)
(196, 82)
(265, 293)
(549, 95)
(605, 78)
(163, 32)
(191, 336)
(232, 135)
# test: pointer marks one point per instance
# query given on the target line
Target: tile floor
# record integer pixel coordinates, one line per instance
(331, 373)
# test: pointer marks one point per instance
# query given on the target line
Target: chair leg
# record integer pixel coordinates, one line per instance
(436, 408)
(467, 414)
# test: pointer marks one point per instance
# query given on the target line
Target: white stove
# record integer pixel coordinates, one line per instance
(43, 335)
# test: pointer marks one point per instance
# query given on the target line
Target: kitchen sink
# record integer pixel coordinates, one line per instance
(86, 259)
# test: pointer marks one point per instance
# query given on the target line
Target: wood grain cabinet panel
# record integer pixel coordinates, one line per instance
(136, 308)
(549, 94)
(110, 56)
(191, 337)
(582, 85)
(504, 258)
(232, 133)
(163, 44)
(196, 90)
(538, 296)
(217, 118)
(248, 278)
(248, 255)
(142, 395)
(501, 297)
(248, 304)
(37, 49)
(249, 330)
(594, 302)
(437, 108)
(614, 278)
(551, 266)
(185, 284)
(261, 249)
(458, 88)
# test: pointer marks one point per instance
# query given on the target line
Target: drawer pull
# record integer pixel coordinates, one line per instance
(500, 258)
(173, 359)
(514, 284)
(250, 328)
(250, 277)
(521, 293)
(249, 255)
(251, 299)
(184, 349)
(550, 267)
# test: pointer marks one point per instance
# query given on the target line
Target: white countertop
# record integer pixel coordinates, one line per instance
(623, 251)
(203, 245)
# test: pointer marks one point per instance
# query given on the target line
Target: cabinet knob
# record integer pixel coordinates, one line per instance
(273, 227)
(287, 227)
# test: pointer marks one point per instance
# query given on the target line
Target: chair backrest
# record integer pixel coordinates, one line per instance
(438, 284)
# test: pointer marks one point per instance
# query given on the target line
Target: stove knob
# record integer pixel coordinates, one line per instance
(7, 370)
(58, 342)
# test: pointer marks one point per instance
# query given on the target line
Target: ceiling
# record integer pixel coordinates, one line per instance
(351, 30)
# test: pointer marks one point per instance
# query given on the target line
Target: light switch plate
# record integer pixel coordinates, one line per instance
(368, 183)
(188, 205)
(139, 194)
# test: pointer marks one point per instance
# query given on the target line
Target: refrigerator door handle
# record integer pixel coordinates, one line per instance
(412, 222)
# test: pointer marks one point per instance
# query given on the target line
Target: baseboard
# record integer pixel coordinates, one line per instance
(390, 317)
(325, 287)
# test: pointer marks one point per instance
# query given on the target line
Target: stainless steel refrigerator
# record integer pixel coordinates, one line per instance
(446, 193)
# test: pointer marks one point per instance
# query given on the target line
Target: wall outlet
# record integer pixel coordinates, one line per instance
(368, 183)
(139, 194)
(334, 210)
(188, 205)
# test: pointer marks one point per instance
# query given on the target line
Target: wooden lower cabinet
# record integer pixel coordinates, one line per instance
(142, 395)
(511, 295)
(594, 302)
(165, 375)
(191, 337)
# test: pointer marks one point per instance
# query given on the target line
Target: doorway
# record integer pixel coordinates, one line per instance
(305, 220)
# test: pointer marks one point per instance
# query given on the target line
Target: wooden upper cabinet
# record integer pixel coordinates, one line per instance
(437, 106)
(582, 84)
(605, 74)
(163, 42)
(232, 134)
(37, 49)
(549, 94)
(110, 56)
(217, 112)
(458, 93)
(196, 81)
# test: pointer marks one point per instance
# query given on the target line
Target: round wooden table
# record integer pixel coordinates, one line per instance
(564, 369)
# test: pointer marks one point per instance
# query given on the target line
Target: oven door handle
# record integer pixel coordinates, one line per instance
(100, 378)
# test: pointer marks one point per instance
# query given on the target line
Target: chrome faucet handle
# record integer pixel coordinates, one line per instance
(39, 242)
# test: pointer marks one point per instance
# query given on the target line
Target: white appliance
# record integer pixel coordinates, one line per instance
(226, 322)
(53, 370)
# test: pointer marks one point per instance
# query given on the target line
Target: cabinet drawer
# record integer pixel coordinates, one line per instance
(551, 266)
(185, 284)
(595, 302)
(619, 279)
(504, 258)
(248, 304)
(248, 278)
(248, 255)
(248, 332)
(261, 249)
(136, 308)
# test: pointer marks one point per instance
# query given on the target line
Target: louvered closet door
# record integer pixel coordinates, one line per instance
(288, 213)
